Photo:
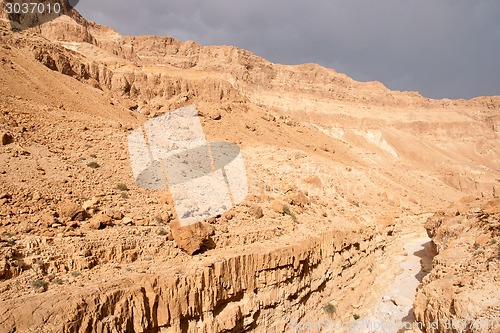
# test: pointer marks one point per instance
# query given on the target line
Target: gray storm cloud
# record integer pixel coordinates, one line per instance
(441, 48)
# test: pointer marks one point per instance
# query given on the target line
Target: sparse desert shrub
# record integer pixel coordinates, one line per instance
(162, 232)
(159, 220)
(124, 195)
(93, 165)
(121, 187)
(289, 212)
(58, 281)
(329, 309)
(75, 274)
(93, 155)
(356, 317)
(39, 284)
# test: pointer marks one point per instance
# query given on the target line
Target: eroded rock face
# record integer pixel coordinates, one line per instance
(463, 286)
(192, 238)
(261, 290)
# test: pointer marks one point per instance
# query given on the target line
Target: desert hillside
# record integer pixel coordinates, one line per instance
(346, 181)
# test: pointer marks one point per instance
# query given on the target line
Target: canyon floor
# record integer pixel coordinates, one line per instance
(364, 205)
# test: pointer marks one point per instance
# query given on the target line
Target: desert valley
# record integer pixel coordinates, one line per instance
(365, 206)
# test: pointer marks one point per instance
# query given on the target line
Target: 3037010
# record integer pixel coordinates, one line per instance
(37, 8)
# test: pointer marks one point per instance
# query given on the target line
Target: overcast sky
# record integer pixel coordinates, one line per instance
(441, 48)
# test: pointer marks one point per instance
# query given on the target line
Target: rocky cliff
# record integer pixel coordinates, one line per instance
(263, 290)
(461, 293)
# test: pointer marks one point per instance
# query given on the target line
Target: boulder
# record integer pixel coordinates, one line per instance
(130, 104)
(256, 211)
(95, 224)
(47, 220)
(228, 215)
(114, 214)
(277, 206)
(7, 139)
(127, 220)
(192, 238)
(216, 115)
(103, 218)
(299, 199)
(72, 211)
(91, 204)
(314, 181)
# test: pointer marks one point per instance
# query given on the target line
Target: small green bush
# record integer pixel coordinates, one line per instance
(289, 212)
(121, 187)
(39, 284)
(329, 309)
(159, 219)
(58, 281)
(93, 165)
(356, 317)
